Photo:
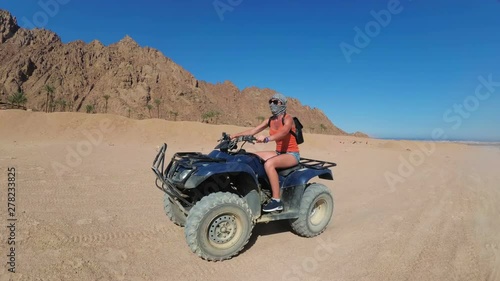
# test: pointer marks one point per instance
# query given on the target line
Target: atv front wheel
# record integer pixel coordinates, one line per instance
(315, 212)
(218, 226)
(174, 213)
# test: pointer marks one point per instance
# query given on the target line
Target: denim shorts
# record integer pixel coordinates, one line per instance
(295, 154)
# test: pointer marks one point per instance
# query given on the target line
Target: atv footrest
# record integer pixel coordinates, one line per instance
(277, 216)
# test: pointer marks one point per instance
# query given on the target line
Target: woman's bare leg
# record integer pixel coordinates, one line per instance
(273, 163)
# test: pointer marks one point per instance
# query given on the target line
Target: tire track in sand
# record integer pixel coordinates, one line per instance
(96, 238)
(46, 235)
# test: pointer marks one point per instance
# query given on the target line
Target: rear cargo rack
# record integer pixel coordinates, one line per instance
(316, 164)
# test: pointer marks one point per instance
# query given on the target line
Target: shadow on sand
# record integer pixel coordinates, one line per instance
(264, 229)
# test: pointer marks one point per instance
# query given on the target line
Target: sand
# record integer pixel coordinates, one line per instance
(87, 207)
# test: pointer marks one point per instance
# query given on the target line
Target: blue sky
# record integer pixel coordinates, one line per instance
(414, 73)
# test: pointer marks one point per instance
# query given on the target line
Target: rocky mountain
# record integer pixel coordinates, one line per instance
(126, 79)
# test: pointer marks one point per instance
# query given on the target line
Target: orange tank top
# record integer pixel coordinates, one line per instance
(288, 143)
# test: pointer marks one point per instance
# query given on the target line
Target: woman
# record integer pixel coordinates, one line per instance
(287, 151)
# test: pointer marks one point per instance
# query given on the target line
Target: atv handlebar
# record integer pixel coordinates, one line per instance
(227, 143)
(248, 138)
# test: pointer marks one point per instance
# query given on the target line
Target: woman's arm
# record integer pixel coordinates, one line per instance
(253, 131)
(283, 132)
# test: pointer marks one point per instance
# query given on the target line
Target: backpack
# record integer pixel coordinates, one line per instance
(298, 127)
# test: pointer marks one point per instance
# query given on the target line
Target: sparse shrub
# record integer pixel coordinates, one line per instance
(158, 102)
(106, 98)
(49, 90)
(173, 114)
(209, 116)
(17, 99)
(149, 107)
(89, 108)
(62, 104)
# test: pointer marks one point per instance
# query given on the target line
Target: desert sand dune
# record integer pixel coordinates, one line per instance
(87, 207)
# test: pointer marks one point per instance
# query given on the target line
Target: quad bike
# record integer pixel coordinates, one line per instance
(218, 197)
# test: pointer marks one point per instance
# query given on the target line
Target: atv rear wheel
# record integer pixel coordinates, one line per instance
(315, 212)
(218, 226)
(174, 213)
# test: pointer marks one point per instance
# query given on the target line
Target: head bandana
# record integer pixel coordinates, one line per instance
(277, 109)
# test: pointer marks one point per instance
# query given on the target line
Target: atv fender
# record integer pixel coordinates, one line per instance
(253, 201)
(303, 177)
(203, 173)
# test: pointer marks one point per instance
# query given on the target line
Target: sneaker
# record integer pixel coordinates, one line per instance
(273, 205)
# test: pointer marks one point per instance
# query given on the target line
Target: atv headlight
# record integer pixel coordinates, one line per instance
(183, 174)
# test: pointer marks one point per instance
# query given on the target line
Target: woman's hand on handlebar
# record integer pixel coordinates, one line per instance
(261, 138)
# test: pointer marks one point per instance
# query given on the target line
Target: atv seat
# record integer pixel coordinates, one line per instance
(285, 172)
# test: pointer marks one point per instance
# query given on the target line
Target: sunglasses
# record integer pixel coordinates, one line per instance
(274, 101)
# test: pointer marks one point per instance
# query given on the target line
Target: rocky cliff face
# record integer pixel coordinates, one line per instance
(133, 77)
